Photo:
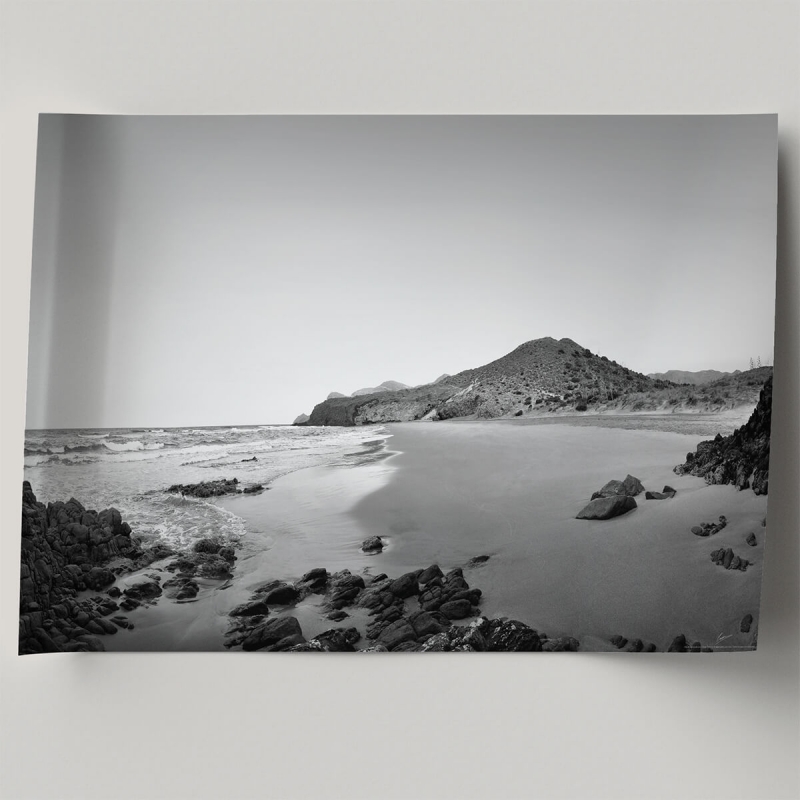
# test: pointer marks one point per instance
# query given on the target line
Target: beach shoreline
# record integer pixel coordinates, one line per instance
(508, 492)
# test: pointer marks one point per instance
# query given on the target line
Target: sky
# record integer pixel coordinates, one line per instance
(235, 270)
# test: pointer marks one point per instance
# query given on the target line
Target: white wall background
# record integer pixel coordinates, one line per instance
(237, 726)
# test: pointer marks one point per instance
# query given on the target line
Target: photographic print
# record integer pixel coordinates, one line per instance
(399, 383)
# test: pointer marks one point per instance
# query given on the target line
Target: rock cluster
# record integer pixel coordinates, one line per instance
(741, 459)
(710, 528)
(613, 499)
(667, 493)
(212, 488)
(414, 612)
(65, 550)
(681, 645)
(725, 557)
(632, 645)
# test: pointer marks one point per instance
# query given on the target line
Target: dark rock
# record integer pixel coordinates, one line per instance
(512, 636)
(395, 633)
(406, 585)
(114, 591)
(477, 561)
(338, 640)
(143, 590)
(607, 507)
(564, 644)
(618, 641)
(427, 575)
(210, 546)
(206, 488)
(633, 486)
(678, 644)
(344, 588)
(255, 488)
(338, 616)
(250, 609)
(271, 632)
(372, 545)
(456, 609)
(741, 459)
(629, 487)
(282, 595)
(655, 496)
(99, 578)
(751, 540)
(425, 624)
(747, 621)
(669, 490)
(315, 575)
(635, 646)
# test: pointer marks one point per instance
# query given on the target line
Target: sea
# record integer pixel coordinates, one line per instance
(131, 469)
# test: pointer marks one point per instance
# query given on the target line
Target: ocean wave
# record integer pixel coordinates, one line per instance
(123, 447)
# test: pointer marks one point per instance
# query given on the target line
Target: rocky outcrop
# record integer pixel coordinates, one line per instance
(741, 459)
(216, 488)
(65, 550)
(607, 507)
(301, 419)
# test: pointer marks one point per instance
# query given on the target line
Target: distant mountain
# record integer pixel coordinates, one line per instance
(442, 378)
(334, 395)
(301, 420)
(386, 386)
(695, 378)
(539, 377)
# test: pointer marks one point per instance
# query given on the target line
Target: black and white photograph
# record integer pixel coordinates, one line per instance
(399, 383)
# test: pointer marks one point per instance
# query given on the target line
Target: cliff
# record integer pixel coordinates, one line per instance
(741, 459)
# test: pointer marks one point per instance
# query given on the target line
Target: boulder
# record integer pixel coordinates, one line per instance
(406, 585)
(511, 636)
(751, 540)
(338, 640)
(618, 641)
(143, 590)
(607, 508)
(395, 633)
(271, 632)
(678, 644)
(427, 575)
(210, 546)
(282, 595)
(372, 545)
(632, 486)
(250, 609)
(456, 609)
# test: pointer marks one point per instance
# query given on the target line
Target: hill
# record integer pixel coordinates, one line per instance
(386, 386)
(695, 378)
(543, 376)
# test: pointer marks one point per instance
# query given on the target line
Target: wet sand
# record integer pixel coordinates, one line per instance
(446, 492)
(512, 492)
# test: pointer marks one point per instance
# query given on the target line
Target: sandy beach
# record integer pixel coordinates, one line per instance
(444, 493)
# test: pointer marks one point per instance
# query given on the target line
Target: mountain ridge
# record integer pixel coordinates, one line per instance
(539, 377)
